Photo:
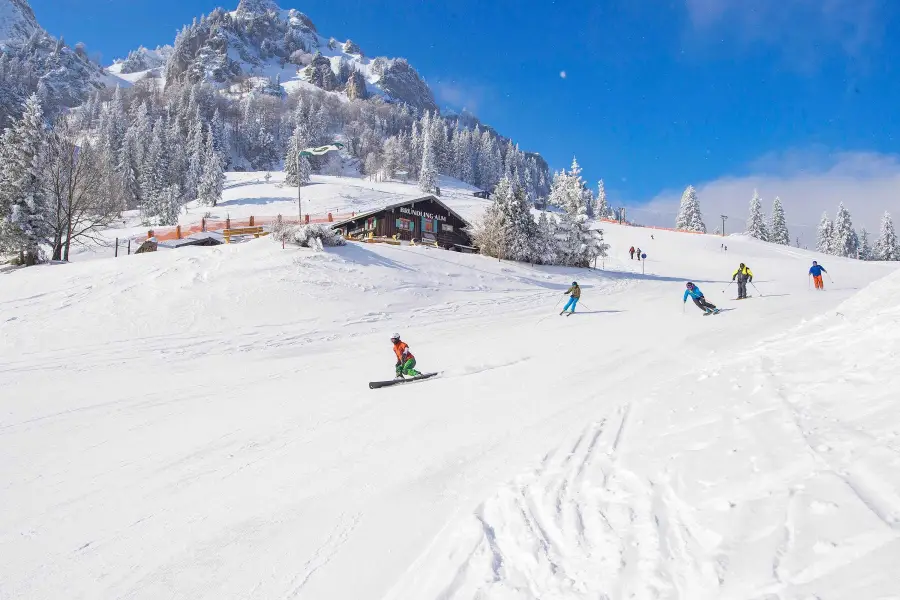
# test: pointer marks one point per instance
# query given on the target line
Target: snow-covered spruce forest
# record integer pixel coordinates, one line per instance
(837, 237)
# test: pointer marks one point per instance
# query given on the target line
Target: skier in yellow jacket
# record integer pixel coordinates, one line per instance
(744, 276)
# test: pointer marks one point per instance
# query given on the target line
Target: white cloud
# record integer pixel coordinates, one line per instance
(562, 74)
(809, 182)
(803, 29)
(461, 96)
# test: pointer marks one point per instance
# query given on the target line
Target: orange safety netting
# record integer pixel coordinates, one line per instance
(164, 234)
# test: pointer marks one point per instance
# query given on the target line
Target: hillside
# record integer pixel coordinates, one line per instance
(196, 424)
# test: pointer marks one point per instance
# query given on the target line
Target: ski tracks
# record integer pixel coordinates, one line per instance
(581, 525)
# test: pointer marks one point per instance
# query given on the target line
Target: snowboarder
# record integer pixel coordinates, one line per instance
(694, 292)
(816, 271)
(639, 253)
(406, 362)
(631, 252)
(574, 293)
(744, 276)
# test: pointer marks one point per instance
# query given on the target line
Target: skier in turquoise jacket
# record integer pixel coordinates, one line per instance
(694, 292)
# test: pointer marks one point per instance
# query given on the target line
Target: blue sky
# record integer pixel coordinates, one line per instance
(657, 93)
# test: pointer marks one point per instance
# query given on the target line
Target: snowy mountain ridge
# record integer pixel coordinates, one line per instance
(31, 60)
(17, 21)
(259, 39)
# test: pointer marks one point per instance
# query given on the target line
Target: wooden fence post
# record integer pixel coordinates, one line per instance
(227, 222)
(307, 219)
(129, 246)
(330, 219)
(178, 231)
(116, 255)
(203, 224)
(251, 220)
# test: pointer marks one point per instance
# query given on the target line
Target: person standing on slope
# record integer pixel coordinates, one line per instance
(639, 253)
(406, 362)
(574, 293)
(744, 276)
(816, 271)
(702, 303)
(631, 252)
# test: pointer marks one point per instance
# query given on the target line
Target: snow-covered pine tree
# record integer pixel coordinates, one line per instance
(690, 218)
(196, 155)
(428, 176)
(297, 168)
(170, 206)
(865, 245)
(844, 241)
(825, 235)
(520, 227)
(25, 224)
(779, 233)
(212, 180)
(546, 245)
(887, 247)
(489, 234)
(756, 223)
(603, 210)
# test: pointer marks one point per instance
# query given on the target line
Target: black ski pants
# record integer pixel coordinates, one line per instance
(703, 305)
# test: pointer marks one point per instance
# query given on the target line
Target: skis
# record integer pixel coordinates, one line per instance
(567, 313)
(374, 385)
(745, 298)
(711, 312)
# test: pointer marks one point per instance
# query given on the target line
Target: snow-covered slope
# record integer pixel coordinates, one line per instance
(196, 424)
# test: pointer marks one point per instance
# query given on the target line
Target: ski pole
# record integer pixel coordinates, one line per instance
(757, 289)
(728, 286)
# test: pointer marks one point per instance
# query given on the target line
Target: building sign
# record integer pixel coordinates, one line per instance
(429, 225)
(418, 213)
(405, 225)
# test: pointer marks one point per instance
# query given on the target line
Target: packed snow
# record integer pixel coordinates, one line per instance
(196, 423)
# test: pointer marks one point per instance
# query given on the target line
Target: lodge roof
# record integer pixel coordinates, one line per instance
(407, 202)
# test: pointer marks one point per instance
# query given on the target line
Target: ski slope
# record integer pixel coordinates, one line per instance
(196, 424)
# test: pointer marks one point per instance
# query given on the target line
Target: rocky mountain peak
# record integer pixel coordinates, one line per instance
(17, 21)
(256, 7)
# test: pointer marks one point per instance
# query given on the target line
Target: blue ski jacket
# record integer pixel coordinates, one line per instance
(816, 270)
(694, 293)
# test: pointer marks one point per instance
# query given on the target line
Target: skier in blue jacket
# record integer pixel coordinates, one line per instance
(816, 271)
(694, 292)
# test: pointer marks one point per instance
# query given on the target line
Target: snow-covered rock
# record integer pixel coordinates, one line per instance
(260, 39)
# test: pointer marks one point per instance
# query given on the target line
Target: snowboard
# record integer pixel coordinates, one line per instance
(374, 385)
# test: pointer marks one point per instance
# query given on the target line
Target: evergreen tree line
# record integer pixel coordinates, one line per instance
(837, 237)
(508, 229)
(54, 186)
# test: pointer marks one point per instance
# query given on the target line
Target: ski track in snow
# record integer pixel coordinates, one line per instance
(196, 424)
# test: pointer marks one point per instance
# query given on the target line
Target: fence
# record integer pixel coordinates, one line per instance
(178, 232)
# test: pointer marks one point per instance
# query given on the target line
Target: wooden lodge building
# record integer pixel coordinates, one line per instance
(426, 220)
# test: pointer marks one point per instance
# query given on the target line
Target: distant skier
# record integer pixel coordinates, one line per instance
(631, 252)
(574, 293)
(639, 253)
(816, 271)
(406, 362)
(694, 292)
(744, 276)
(651, 237)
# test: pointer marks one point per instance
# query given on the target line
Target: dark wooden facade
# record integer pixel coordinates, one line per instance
(424, 219)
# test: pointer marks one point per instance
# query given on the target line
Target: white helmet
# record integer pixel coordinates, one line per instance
(395, 337)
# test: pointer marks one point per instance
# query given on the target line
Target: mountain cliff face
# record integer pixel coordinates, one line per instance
(31, 60)
(261, 40)
(17, 22)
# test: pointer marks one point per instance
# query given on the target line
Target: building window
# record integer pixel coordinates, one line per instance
(405, 225)
(429, 225)
(447, 228)
(371, 223)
